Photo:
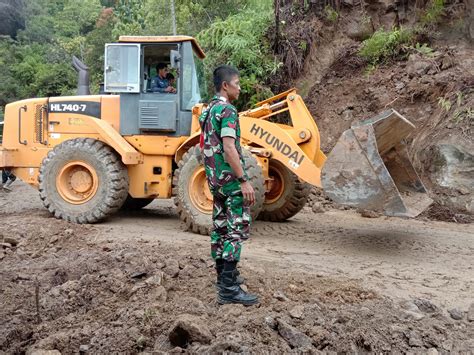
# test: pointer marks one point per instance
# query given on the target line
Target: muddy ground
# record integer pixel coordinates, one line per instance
(332, 281)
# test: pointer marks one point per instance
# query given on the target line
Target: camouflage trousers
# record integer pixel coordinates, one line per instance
(231, 226)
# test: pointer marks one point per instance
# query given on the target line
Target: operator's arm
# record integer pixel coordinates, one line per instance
(158, 85)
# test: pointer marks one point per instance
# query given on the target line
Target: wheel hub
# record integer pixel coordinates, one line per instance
(199, 192)
(81, 181)
(77, 182)
(276, 186)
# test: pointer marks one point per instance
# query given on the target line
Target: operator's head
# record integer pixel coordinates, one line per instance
(226, 81)
(170, 78)
(162, 69)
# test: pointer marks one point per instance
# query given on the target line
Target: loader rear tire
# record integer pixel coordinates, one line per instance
(83, 180)
(287, 195)
(132, 203)
(193, 198)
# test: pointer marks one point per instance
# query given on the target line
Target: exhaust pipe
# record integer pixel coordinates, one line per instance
(83, 76)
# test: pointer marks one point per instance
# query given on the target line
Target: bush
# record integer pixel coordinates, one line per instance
(240, 41)
(383, 45)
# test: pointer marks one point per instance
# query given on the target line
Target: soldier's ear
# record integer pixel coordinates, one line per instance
(225, 85)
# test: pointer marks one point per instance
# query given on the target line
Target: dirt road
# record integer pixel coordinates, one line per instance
(328, 281)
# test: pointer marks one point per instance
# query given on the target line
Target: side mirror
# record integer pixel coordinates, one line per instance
(175, 57)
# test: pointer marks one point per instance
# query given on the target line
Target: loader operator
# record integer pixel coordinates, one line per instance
(160, 83)
(232, 192)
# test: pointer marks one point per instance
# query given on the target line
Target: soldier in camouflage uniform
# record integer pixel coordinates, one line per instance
(233, 195)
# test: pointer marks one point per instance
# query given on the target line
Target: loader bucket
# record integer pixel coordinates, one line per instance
(369, 168)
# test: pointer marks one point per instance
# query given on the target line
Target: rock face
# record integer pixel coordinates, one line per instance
(453, 171)
(360, 29)
(417, 65)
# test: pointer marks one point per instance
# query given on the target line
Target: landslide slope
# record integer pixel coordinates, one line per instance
(429, 80)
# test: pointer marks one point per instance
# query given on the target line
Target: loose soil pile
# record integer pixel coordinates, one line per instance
(86, 288)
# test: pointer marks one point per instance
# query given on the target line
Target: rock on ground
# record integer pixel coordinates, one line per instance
(294, 337)
(188, 329)
(470, 313)
(456, 313)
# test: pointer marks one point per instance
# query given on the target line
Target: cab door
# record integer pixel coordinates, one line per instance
(141, 111)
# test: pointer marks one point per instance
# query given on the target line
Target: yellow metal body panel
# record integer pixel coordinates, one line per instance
(283, 148)
(23, 148)
(6, 157)
(296, 146)
(144, 183)
(110, 110)
(155, 145)
(197, 110)
(183, 148)
(20, 146)
(193, 139)
(63, 126)
(28, 175)
(150, 158)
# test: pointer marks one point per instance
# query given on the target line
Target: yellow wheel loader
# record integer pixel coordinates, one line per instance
(90, 155)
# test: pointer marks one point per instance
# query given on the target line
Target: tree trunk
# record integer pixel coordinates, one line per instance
(276, 44)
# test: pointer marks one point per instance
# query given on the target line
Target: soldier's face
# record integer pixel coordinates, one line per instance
(233, 88)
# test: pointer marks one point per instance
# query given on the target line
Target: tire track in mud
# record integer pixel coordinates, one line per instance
(399, 258)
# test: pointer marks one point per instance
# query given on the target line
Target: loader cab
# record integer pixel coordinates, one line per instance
(130, 67)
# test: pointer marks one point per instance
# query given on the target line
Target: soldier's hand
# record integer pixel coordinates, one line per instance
(248, 193)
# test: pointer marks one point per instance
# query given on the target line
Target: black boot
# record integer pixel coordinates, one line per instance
(230, 291)
(219, 268)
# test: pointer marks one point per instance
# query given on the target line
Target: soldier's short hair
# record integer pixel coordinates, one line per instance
(223, 73)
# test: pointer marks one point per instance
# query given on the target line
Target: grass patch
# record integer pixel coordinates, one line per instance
(330, 14)
(445, 104)
(433, 13)
(423, 49)
(383, 45)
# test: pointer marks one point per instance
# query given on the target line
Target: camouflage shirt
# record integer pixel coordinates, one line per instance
(220, 120)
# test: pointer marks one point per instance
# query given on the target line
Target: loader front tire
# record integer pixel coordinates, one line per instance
(83, 180)
(287, 195)
(193, 197)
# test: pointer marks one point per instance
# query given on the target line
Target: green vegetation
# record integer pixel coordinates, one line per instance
(433, 13)
(445, 104)
(456, 101)
(330, 14)
(423, 49)
(240, 40)
(462, 113)
(37, 63)
(465, 114)
(370, 69)
(383, 45)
